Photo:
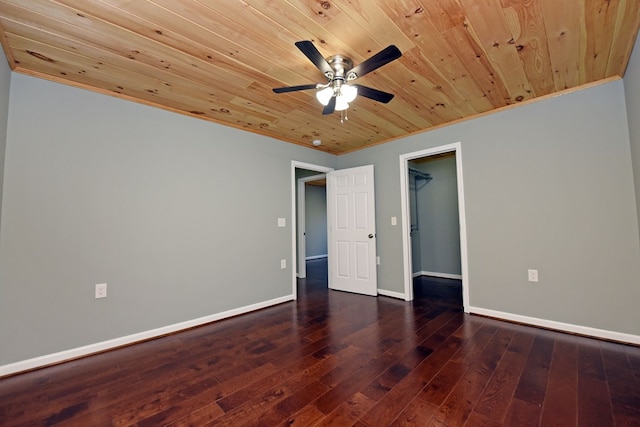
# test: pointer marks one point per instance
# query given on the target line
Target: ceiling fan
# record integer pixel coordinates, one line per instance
(339, 71)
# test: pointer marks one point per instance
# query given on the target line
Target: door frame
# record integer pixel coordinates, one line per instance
(406, 219)
(294, 218)
(302, 223)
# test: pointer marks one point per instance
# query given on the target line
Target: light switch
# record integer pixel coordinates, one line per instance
(282, 222)
(394, 220)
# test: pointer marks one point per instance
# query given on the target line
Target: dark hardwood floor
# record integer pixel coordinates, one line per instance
(334, 358)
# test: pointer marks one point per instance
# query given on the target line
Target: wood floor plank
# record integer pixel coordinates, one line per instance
(306, 416)
(560, 406)
(440, 355)
(386, 381)
(528, 397)
(430, 326)
(353, 383)
(240, 397)
(418, 412)
(594, 407)
(205, 415)
(625, 397)
(348, 412)
(492, 404)
(281, 389)
(174, 404)
(633, 354)
(394, 401)
(333, 358)
(459, 403)
(437, 390)
(290, 405)
(522, 413)
(533, 381)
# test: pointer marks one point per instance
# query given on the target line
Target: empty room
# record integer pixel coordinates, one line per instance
(304, 212)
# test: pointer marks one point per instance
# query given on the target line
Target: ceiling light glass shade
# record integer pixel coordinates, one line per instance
(324, 95)
(349, 92)
(341, 103)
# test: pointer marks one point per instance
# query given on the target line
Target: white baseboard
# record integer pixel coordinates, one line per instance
(559, 326)
(311, 258)
(434, 274)
(391, 294)
(75, 353)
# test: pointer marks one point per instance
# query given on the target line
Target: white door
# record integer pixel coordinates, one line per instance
(351, 230)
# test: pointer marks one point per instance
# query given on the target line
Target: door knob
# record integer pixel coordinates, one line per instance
(371, 236)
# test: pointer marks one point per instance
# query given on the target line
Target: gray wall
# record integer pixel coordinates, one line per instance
(438, 217)
(632, 93)
(547, 185)
(165, 208)
(5, 84)
(316, 220)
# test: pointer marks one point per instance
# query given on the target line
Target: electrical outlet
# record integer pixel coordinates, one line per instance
(283, 263)
(282, 222)
(533, 275)
(378, 260)
(101, 290)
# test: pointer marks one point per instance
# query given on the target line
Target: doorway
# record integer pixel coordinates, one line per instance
(434, 237)
(299, 170)
(311, 218)
(351, 243)
(434, 230)
(313, 269)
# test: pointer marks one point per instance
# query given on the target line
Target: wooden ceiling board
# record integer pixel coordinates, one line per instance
(189, 97)
(627, 23)
(192, 44)
(433, 49)
(94, 55)
(105, 47)
(562, 23)
(219, 59)
(492, 34)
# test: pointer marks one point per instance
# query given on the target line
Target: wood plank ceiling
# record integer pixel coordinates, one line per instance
(219, 59)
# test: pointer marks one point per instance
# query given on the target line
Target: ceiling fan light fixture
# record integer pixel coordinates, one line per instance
(341, 103)
(324, 95)
(348, 92)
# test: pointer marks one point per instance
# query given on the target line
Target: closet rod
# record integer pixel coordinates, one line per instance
(420, 174)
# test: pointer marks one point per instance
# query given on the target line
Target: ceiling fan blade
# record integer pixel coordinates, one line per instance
(375, 94)
(330, 107)
(381, 58)
(315, 56)
(294, 88)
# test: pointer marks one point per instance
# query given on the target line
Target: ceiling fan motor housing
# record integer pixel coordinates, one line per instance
(341, 66)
